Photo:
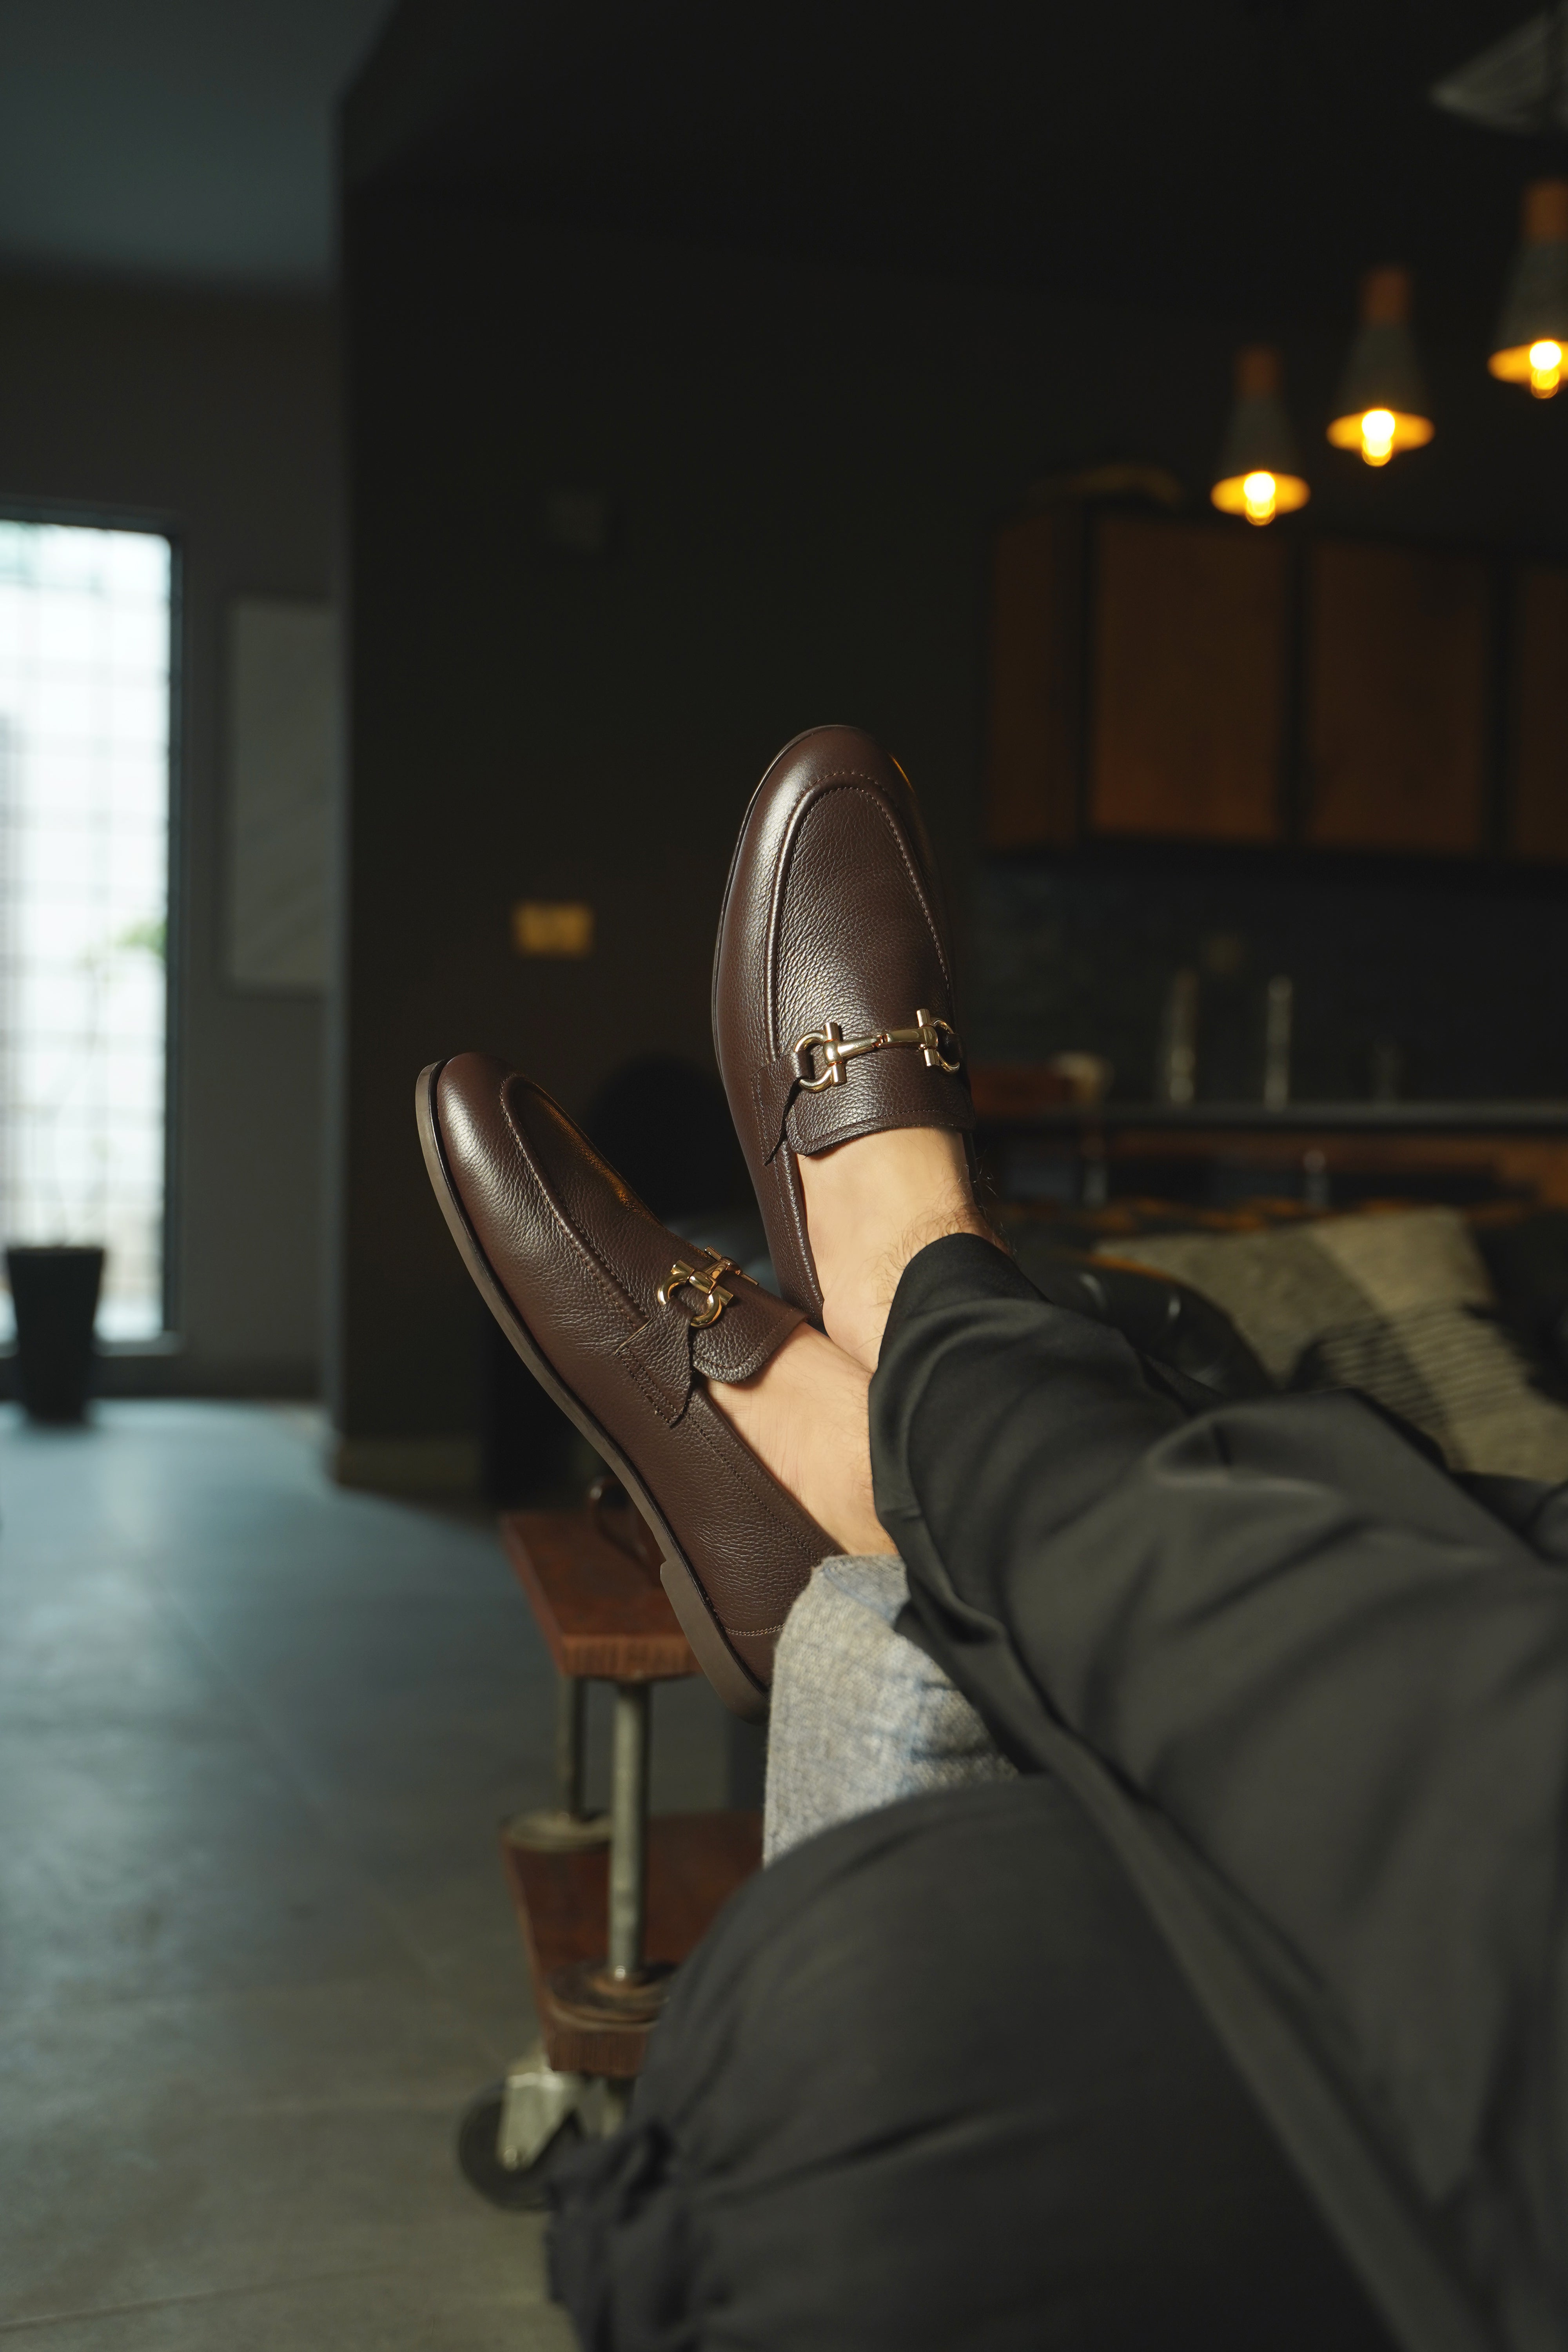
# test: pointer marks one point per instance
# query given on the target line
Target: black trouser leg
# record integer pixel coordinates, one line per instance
(934, 2082)
(1321, 1688)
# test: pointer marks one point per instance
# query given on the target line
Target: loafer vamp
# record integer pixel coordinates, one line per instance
(580, 1262)
(857, 942)
(833, 926)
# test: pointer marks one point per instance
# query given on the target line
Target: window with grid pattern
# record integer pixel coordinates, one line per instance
(85, 633)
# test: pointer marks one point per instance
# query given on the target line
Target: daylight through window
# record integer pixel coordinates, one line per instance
(84, 876)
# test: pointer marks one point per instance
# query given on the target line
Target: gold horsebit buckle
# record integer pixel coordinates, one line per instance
(836, 1048)
(703, 1280)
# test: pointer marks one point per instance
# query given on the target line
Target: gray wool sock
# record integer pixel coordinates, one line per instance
(859, 1717)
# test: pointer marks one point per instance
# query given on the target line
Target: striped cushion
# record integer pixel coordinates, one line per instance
(1395, 1303)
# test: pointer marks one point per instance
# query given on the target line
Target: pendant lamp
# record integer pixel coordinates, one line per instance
(1531, 337)
(1382, 403)
(1259, 473)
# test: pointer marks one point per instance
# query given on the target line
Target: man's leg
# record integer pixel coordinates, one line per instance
(1340, 1680)
(861, 1717)
(934, 2084)
(1320, 1684)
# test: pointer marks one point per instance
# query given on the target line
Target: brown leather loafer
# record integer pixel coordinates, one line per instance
(832, 1013)
(622, 1323)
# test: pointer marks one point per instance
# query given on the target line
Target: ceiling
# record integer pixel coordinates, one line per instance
(1249, 157)
(175, 140)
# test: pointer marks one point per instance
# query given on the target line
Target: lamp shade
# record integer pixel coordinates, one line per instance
(1259, 473)
(1531, 338)
(1383, 405)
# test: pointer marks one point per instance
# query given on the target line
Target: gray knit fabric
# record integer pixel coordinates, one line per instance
(859, 1717)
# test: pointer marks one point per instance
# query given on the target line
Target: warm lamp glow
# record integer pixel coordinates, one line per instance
(1377, 428)
(1261, 495)
(1259, 473)
(1380, 434)
(1538, 364)
(1533, 329)
(1383, 400)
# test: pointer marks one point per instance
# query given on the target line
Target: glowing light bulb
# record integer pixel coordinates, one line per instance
(1377, 436)
(1259, 492)
(1545, 367)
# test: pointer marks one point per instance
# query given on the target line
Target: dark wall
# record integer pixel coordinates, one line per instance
(217, 420)
(800, 465)
(805, 468)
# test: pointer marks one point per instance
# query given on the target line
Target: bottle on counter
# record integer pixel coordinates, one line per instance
(1177, 1064)
(1278, 1019)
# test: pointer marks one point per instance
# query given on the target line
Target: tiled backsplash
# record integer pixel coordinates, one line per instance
(1426, 983)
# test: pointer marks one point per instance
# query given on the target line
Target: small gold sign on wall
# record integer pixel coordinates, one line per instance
(553, 926)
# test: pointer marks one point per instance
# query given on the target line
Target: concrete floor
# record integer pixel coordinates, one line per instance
(256, 1734)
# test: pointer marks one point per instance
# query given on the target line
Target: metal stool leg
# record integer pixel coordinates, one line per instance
(624, 1987)
(570, 1717)
(629, 1831)
(563, 1827)
(508, 2136)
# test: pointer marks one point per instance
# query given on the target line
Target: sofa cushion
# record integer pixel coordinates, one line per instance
(1395, 1303)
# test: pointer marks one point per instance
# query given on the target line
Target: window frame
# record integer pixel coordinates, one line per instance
(94, 515)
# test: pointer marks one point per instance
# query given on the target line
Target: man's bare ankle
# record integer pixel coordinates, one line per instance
(861, 1197)
(803, 1415)
(873, 1204)
(955, 1217)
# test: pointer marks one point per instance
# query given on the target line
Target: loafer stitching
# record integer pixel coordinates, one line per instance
(843, 782)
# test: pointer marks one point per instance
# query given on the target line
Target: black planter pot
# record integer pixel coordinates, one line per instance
(54, 1294)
